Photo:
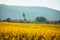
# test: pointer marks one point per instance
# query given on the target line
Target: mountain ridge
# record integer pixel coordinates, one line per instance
(30, 11)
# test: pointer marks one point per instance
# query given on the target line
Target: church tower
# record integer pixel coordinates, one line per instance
(24, 16)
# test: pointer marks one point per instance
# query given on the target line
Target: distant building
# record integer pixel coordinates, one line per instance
(16, 21)
(53, 22)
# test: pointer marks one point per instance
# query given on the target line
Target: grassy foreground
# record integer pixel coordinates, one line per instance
(25, 31)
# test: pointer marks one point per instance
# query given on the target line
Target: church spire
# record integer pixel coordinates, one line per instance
(24, 17)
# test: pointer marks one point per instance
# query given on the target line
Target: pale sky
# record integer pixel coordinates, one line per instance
(55, 4)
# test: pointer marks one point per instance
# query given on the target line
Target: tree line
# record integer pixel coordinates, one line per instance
(36, 20)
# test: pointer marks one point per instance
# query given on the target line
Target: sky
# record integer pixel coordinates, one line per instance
(54, 4)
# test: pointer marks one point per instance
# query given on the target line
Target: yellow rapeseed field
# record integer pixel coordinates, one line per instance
(25, 31)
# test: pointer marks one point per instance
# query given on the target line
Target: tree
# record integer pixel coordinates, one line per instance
(41, 19)
(0, 20)
(8, 19)
(59, 22)
(37, 19)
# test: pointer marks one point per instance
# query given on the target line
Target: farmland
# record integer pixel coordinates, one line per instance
(25, 31)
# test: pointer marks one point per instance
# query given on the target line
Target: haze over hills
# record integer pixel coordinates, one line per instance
(31, 12)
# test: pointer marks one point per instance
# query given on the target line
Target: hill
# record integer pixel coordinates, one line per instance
(15, 12)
